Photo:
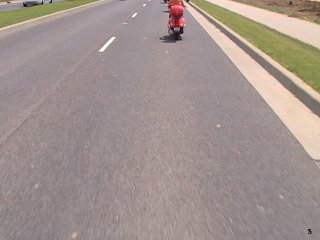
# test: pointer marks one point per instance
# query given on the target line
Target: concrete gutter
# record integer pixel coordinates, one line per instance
(295, 85)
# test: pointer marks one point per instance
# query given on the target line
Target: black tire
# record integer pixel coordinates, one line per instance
(51, 1)
(25, 5)
(42, 2)
(176, 36)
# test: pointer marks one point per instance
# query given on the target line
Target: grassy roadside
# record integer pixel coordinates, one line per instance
(301, 59)
(15, 16)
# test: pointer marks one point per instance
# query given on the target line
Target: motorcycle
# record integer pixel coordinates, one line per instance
(176, 23)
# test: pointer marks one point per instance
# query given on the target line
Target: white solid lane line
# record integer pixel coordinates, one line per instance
(107, 44)
(144, 5)
(135, 14)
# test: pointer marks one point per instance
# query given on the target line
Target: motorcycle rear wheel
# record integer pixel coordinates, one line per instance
(177, 36)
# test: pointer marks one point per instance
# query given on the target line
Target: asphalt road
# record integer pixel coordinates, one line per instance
(150, 139)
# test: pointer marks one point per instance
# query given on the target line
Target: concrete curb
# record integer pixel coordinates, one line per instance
(295, 85)
(51, 15)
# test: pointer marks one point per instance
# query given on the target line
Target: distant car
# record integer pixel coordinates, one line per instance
(34, 2)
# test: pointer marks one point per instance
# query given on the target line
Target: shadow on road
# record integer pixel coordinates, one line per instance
(168, 39)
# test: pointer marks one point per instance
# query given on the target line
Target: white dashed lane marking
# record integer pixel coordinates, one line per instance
(134, 15)
(107, 44)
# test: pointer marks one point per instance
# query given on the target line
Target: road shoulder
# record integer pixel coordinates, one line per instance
(303, 124)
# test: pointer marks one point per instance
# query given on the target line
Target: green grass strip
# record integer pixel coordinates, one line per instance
(299, 58)
(22, 14)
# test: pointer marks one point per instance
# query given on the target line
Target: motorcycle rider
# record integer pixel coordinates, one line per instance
(175, 2)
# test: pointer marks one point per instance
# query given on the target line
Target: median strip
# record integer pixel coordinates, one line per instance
(21, 15)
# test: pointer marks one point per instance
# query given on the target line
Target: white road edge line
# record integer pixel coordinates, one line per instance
(317, 163)
(134, 15)
(107, 44)
(144, 5)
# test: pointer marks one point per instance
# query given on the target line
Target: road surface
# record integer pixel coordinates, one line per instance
(149, 139)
